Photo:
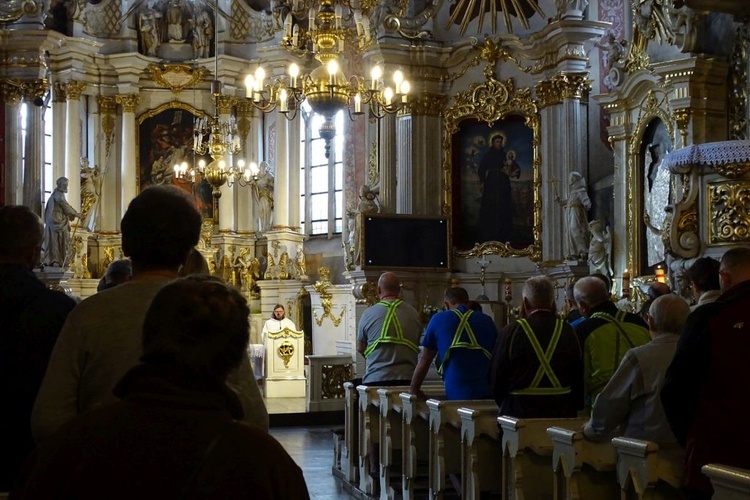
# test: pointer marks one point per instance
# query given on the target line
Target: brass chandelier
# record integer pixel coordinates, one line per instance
(323, 29)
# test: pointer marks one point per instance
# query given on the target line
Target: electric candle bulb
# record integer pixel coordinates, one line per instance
(294, 73)
(249, 85)
(405, 88)
(357, 103)
(333, 68)
(388, 95)
(260, 74)
(398, 77)
(283, 101)
(375, 74)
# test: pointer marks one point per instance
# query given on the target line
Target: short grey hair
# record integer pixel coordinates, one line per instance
(590, 291)
(668, 314)
(539, 291)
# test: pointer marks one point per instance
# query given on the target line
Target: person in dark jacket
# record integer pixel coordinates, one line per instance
(520, 385)
(32, 316)
(175, 433)
(704, 394)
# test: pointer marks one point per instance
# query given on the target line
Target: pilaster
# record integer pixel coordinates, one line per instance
(128, 173)
(105, 147)
(12, 93)
(34, 92)
(73, 91)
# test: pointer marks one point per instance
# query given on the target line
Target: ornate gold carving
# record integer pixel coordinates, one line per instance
(681, 119)
(322, 286)
(225, 104)
(729, 212)
(491, 52)
(74, 89)
(561, 87)
(427, 104)
(286, 352)
(687, 226)
(333, 378)
(175, 77)
(35, 89)
(490, 102)
(286, 333)
(733, 170)
(109, 257)
(13, 10)
(652, 107)
(107, 111)
(12, 91)
(128, 102)
(80, 259)
(58, 92)
(170, 105)
(738, 84)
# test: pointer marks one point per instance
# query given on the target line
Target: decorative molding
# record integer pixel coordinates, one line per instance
(491, 52)
(107, 112)
(561, 87)
(682, 120)
(175, 77)
(427, 104)
(738, 84)
(729, 212)
(733, 170)
(333, 378)
(225, 104)
(58, 92)
(12, 91)
(74, 89)
(35, 89)
(129, 102)
(102, 19)
(13, 10)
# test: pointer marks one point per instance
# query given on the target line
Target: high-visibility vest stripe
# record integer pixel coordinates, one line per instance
(544, 363)
(457, 343)
(391, 318)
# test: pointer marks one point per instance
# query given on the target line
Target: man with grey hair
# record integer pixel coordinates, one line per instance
(630, 400)
(536, 369)
(704, 389)
(606, 334)
(32, 318)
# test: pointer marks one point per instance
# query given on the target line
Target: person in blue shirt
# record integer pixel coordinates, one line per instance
(463, 339)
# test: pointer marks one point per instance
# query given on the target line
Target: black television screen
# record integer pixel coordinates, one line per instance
(404, 241)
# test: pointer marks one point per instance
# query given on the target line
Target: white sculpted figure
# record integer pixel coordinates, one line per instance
(175, 20)
(203, 29)
(91, 187)
(264, 197)
(600, 248)
(57, 216)
(577, 205)
(148, 26)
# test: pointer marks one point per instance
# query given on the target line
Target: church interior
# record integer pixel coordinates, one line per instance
(470, 143)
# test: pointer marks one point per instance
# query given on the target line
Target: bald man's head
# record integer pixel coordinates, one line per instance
(589, 293)
(388, 285)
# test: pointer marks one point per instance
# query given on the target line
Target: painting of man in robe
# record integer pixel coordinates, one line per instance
(166, 140)
(493, 175)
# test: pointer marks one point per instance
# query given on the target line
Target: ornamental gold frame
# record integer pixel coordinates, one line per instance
(651, 108)
(491, 101)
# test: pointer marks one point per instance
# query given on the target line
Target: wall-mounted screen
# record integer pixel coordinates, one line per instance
(405, 241)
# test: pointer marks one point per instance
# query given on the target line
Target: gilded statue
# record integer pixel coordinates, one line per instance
(91, 188)
(283, 273)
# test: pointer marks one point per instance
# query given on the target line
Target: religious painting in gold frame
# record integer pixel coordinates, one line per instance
(165, 138)
(491, 144)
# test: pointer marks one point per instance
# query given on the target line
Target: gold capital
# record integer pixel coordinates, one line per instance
(244, 107)
(12, 91)
(224, 104)
(128, 102)
(74, 89)
(58, 92)
(107, 104)
(561, 87)
(35, 89)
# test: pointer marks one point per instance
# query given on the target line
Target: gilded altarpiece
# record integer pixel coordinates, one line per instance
(493, 119)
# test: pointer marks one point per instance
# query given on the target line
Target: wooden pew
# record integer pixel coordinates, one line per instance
(730, 483)
(445, 439)
(480, 452)
(347, 463)
(645, 470)
(583, 469)
(391, 432)
(527, 456)
(416, 434)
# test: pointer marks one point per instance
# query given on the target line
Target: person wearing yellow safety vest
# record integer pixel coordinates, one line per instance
(606, 335)
(388, 336)
(463, 339)
(537, 368)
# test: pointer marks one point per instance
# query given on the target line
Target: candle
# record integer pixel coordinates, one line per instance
(660, 275)
(282, 101)
(357, 103)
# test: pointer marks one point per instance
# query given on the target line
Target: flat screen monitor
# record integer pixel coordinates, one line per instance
(405, 241)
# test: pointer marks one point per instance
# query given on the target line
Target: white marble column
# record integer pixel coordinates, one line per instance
(12, 96)
(293, 192)
(34, 147)
(227, 202)
(108, 212)
(404, 165)
(246, 126)
(59, 118)
(281, 172)
(128, 174)
(387, 146)
(73, 138)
